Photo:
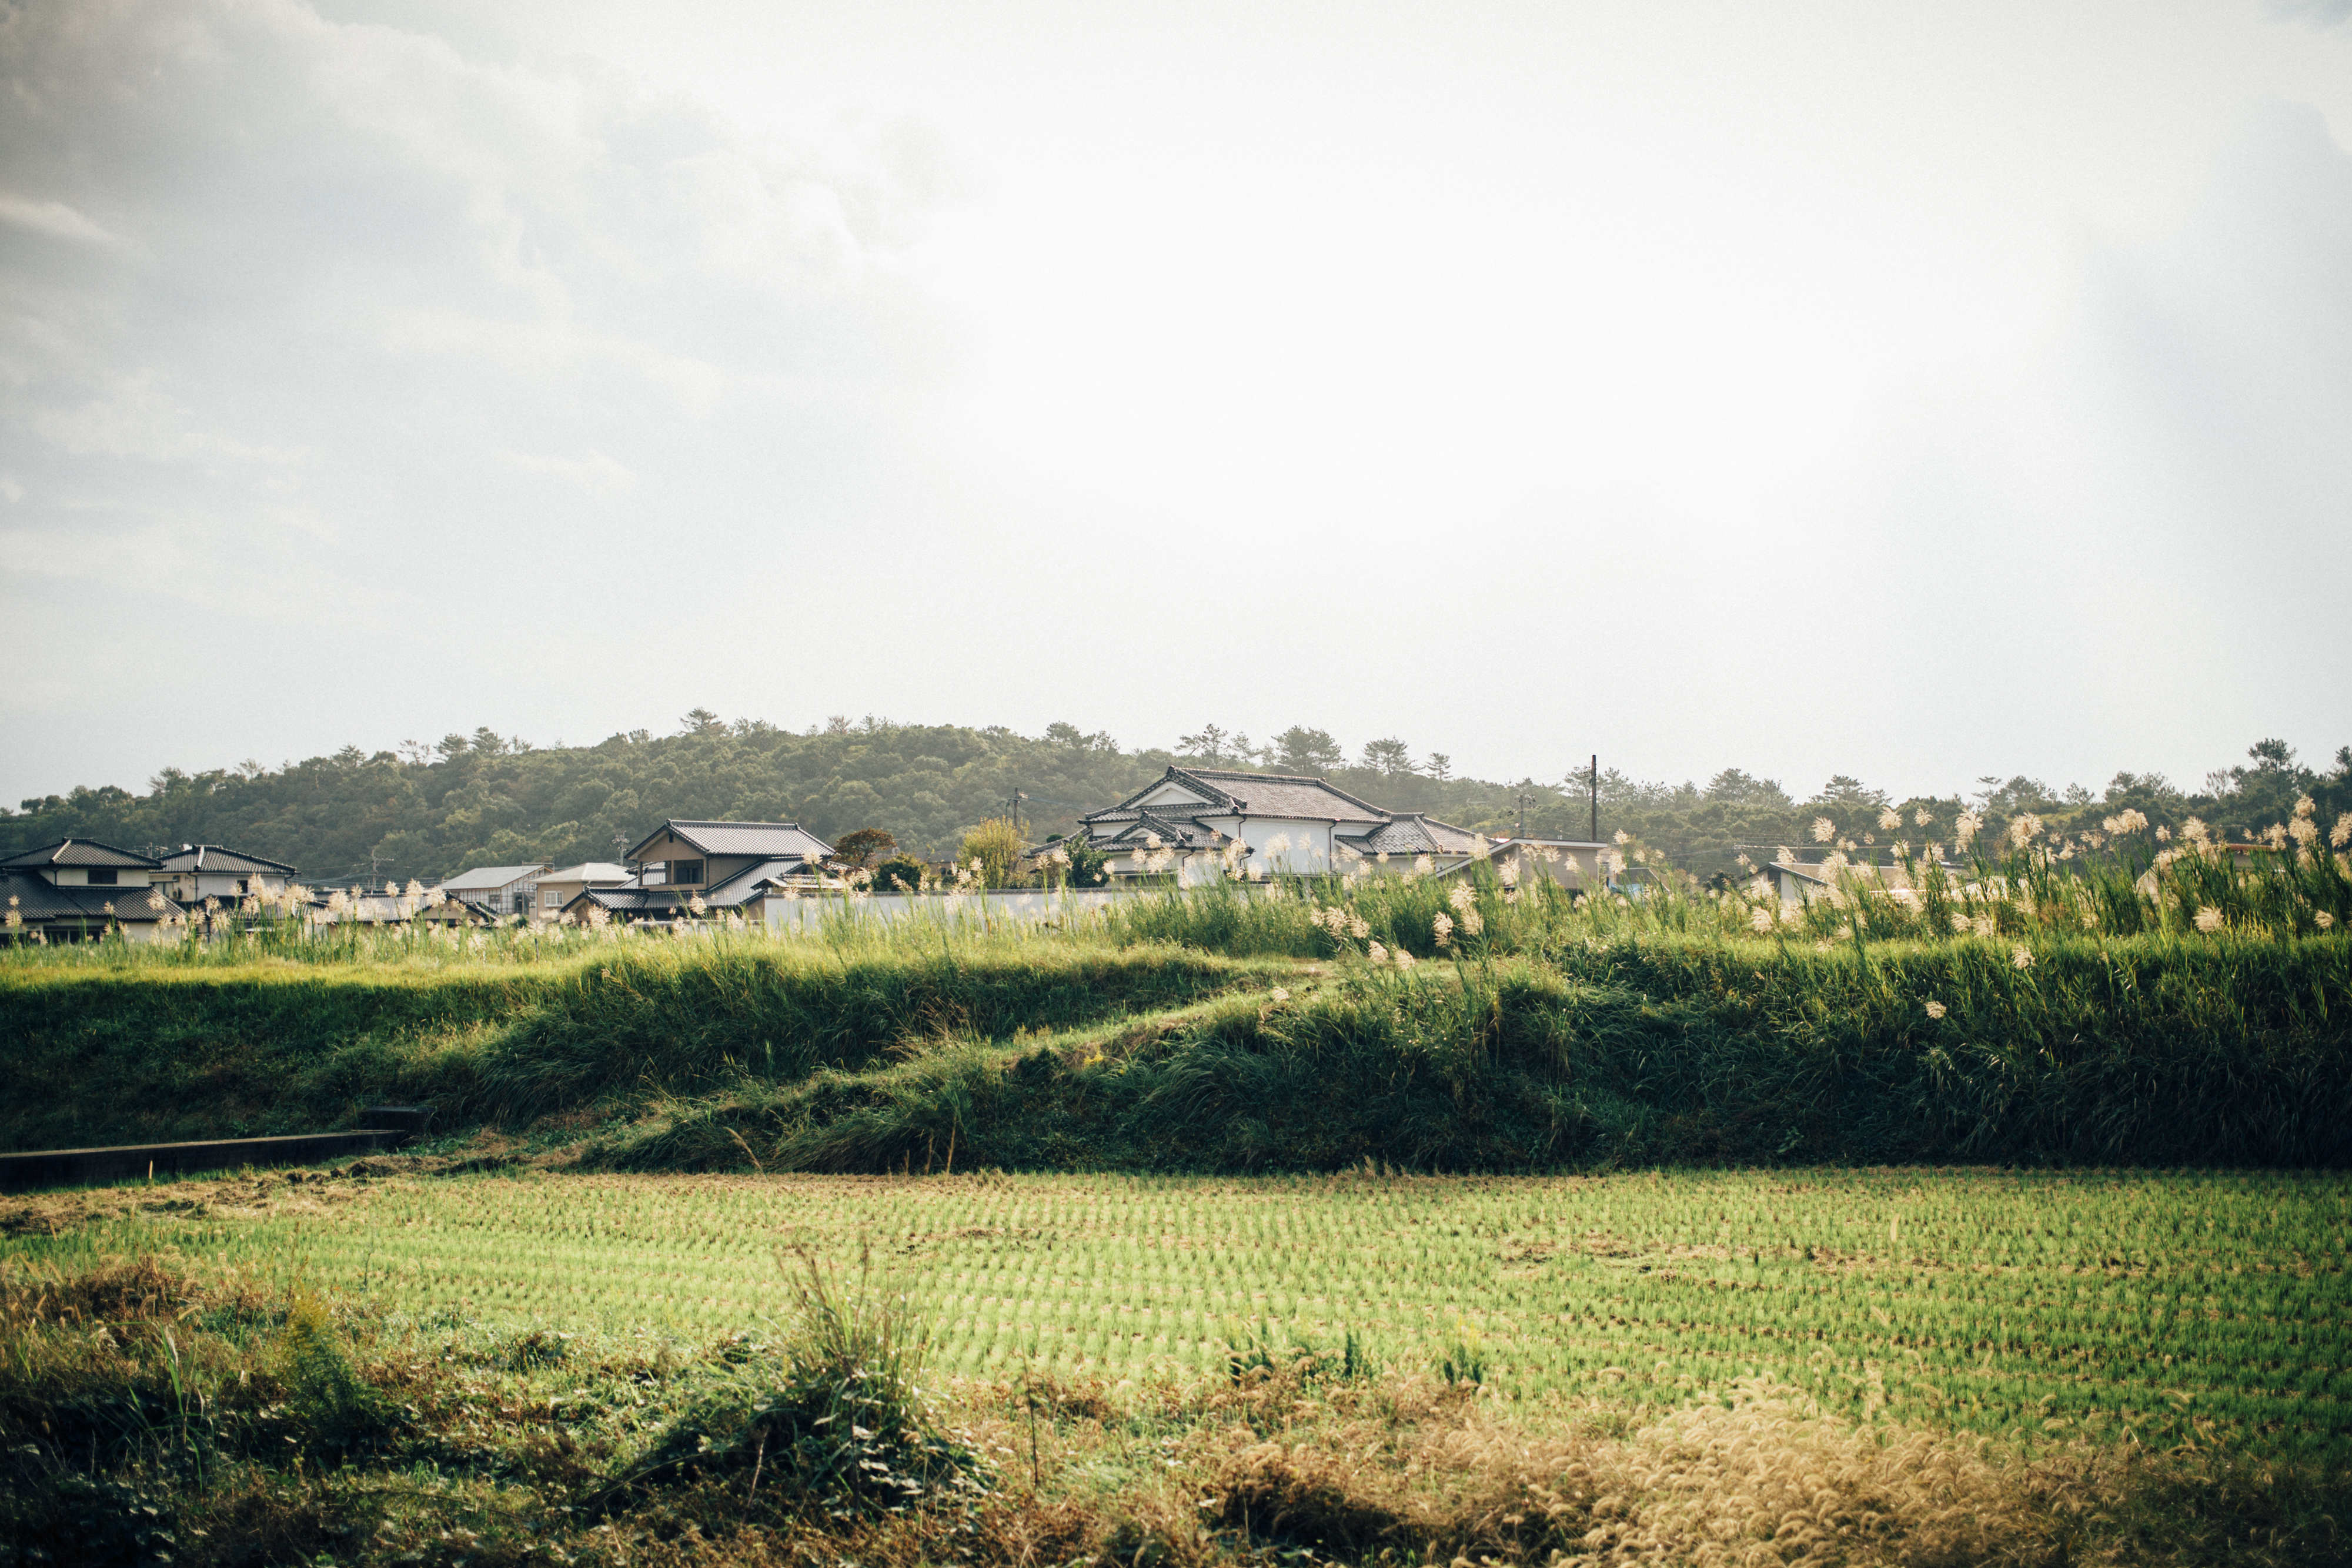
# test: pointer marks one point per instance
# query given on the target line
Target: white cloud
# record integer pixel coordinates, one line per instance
(53, 219)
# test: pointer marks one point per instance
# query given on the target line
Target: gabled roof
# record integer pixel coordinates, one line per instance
(739, 838)
(35, 899)
(1288, 795)
(751, 882)
(1417, 833)
(618, 899)
(213, 857)
(587, 870)
(81, 851)
(489, 878)
(1173, 832)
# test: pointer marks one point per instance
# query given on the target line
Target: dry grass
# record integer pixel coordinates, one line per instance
(1414, 1471)
(1768, 1481)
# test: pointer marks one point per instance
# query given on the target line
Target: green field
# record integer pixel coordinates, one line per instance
(2135, 1306)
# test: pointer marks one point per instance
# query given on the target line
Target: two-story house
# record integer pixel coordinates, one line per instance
(731, 867)
(195, 873)
(75, 889)
(1196, 822)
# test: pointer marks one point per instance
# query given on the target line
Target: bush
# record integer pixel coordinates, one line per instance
(842, 1422)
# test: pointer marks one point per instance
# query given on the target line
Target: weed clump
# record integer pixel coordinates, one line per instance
(335, 1408)
(834, 1419)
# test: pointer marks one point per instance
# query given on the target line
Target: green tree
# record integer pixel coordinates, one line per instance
(901, 874)
(1299, 749)
(998, 846)
(860, 848)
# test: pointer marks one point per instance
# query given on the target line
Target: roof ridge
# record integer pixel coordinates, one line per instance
(23, 857)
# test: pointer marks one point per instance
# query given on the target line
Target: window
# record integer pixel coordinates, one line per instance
(102, 876)
(549, 897)
(685, 871)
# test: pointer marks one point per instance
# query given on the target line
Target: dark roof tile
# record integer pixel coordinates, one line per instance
(81, 851)
(215, 857)
(739, 838)
(36, 901)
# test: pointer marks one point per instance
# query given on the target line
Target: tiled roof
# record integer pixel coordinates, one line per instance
(746, 884)
(489, 878)
(453, 911)
(1263, 795)
(1401, 838)
(739, 838)
(213, 857)
(590, 871)
(617, 898)
(80, 851)
(1174, 832)
(36, 901)
(1418, 834)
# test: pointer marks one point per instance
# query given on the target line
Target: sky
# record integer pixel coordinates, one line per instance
(1916, 392)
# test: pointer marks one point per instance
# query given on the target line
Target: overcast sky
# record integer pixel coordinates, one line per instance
(1915, 391)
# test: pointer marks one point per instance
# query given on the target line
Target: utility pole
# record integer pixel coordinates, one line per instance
(1596, 798)
(1013, 808)
(1524, 798)
(373, 857)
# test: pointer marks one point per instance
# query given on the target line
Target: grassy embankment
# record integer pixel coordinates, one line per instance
(99, 1051)
(2192, 1012)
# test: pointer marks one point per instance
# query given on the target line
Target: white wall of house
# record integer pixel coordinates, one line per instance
(194, 887)
(1171, 793)
(78, 876)
(1307, 848)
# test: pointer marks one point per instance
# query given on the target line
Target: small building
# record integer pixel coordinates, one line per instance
(195, 873)
(732, 867)
(565, 883)
(500, 889)
(1574, 863)
(1799, 882)
(76, 889)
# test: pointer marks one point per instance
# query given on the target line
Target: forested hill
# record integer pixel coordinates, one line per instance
(427, 812)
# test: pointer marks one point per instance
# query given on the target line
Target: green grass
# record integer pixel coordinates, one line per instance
(2125, 1306)
(98, 1052)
